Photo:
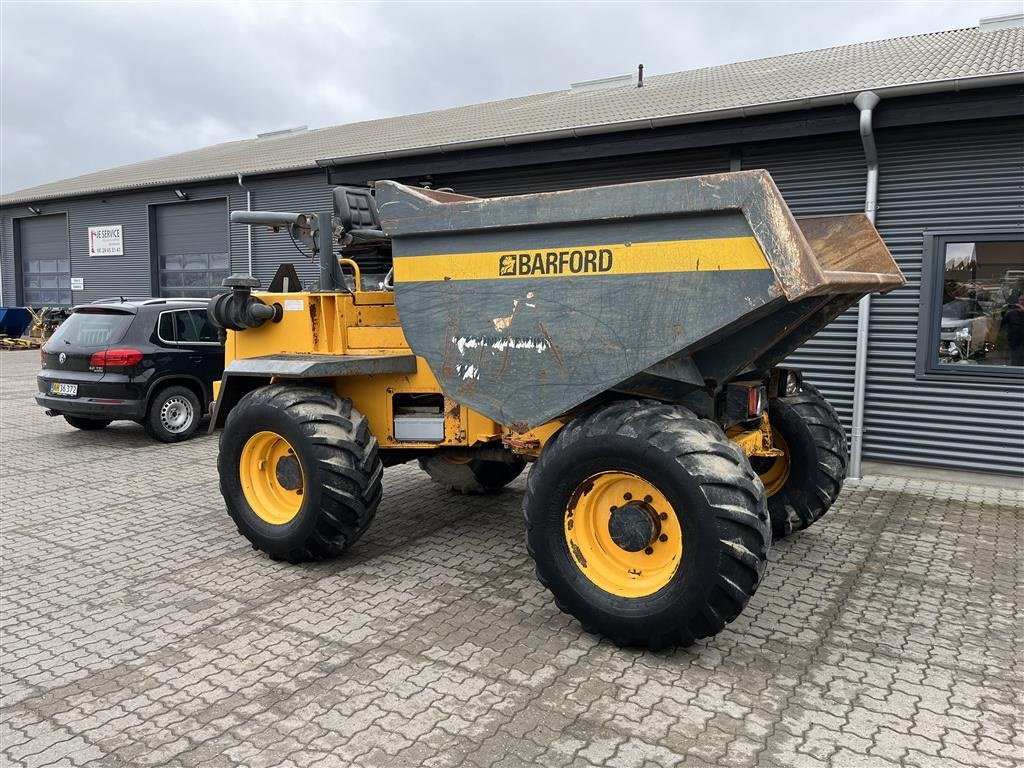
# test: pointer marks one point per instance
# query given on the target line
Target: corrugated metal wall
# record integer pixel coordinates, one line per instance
(616, 170)
(949, 175)
(957, 177)
(7, 278)
(307, 192)
(132, 273)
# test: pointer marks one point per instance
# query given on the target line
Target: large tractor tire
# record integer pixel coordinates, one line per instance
(805, 481)
(471, 476)
(647, 524)
(299, 471)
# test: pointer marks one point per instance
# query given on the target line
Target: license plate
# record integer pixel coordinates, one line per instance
(63, 389)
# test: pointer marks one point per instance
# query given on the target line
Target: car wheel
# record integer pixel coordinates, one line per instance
(173, 415)
(81, 422)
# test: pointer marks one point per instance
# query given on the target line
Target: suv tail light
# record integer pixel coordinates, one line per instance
(114, 358)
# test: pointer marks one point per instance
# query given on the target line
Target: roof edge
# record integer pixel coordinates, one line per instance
(1015, 77)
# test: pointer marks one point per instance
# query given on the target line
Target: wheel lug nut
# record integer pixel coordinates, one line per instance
(648, 499)
(613, 508)
(627, 496)
(649, 551)
(663, 516)
(663, 537)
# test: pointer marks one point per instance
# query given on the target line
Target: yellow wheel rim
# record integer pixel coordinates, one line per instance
(775, 475)
(623, 534)
(271, 478)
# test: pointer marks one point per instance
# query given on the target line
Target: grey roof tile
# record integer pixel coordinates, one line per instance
(770, 84)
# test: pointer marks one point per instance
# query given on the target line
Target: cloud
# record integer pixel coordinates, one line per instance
(88, 86)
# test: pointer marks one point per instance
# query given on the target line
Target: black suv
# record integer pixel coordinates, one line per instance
(153, 361)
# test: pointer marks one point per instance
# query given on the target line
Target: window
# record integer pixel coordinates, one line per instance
(186, 326)
(92, 328)
(972, 305)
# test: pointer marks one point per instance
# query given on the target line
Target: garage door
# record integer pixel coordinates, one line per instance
(45, 262)
(192, 247)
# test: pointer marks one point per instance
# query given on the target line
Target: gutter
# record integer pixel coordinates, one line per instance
(895, 91)
(866, 102)
(248, 230)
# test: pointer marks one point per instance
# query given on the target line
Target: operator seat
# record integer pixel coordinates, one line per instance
(364, 242)
(357, 212)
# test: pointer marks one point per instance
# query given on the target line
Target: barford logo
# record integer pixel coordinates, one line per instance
(575, 262)
(62, 358)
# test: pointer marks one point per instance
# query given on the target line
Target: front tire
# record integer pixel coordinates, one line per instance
(173, 415)
(299, 471)
(83, 423)
(647, 524)
(471, 476)
(804, 483)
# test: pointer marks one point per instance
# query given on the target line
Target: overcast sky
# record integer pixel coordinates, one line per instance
(88, 86)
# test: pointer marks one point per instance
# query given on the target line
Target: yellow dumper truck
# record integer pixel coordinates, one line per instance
(627, 341)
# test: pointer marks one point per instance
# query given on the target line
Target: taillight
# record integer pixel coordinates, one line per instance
(114, 358)
(42, 356)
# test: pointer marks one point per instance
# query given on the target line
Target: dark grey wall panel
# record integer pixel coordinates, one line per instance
(587, 173)
(941, 177)
(7, 276)
(132, 273)
(308, 192)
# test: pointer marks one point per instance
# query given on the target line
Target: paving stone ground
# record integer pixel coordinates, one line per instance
(137, 628)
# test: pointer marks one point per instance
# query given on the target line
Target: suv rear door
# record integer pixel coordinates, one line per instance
(190, 331)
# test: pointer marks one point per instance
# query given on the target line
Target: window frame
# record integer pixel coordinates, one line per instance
(933, 272)
(175, 341)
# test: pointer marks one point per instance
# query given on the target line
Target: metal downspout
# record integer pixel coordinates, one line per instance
(866, 102)
(248, 230)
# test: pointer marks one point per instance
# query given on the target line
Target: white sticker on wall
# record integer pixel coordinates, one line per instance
(293, 305)
(107, 240)
(77, 283)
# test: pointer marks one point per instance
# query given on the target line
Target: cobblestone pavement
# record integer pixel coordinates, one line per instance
(139, 629)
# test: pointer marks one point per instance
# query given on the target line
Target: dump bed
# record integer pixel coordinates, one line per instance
(527, 306)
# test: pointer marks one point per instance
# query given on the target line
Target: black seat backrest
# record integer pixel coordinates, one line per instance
(356, 208)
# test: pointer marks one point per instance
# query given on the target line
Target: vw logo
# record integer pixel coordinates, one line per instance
(62, 358)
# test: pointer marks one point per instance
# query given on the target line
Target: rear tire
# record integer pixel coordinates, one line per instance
(81, 422)
(320, 488)
(702, 488)
(815, 445)
(473, 476)
(173, 415)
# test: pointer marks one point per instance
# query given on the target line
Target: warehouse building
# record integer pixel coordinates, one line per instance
(941, 380)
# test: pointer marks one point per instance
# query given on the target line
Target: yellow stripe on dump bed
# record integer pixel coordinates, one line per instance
(722, 253)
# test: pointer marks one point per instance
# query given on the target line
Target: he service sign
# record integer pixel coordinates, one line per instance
(106, 240)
